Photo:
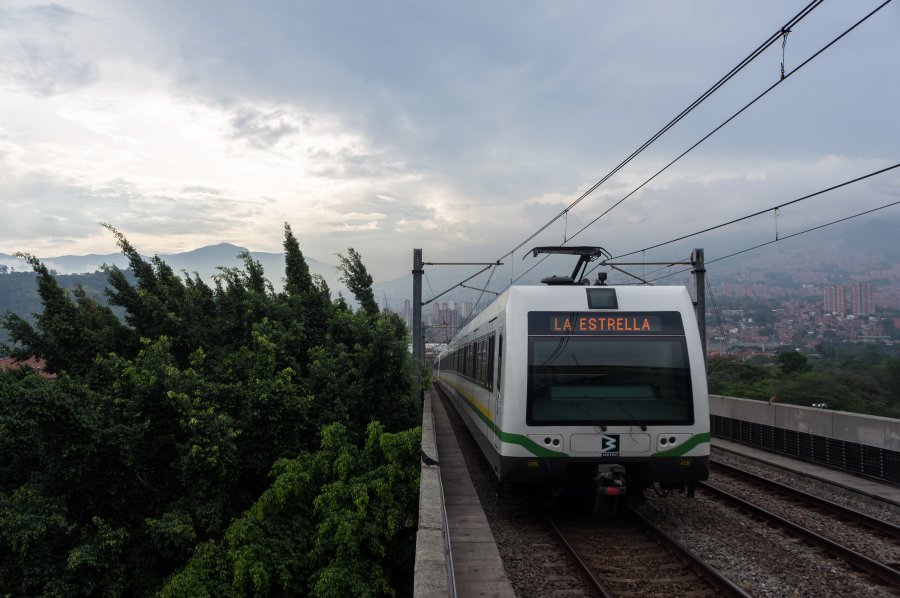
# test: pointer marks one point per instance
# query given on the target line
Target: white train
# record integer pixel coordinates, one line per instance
(601, 386)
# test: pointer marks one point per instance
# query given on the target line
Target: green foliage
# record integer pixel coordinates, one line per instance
(366, 524)
(358, 280)
(19, 294)
(792, 362)
(336, 522)
(35, 533)
(860, 380)
(733, 377)
(71, 329)
(135, 469)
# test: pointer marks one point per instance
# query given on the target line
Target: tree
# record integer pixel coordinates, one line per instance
(358, 281)
(338, 521)
(67, 334)
(733, 377)
(892, 375)
(792, 362)
(305, 307)
(161, 432)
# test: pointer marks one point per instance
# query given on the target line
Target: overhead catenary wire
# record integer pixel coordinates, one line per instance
(734, 71)
(733, 116)
(428, 282)
(703, 97)
(784, 238)
(456, 285)
(475, 305)
(747, 217)
(712, 132)
(760, 212)
(716, 311)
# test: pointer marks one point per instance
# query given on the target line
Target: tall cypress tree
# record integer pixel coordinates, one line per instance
(358, 280)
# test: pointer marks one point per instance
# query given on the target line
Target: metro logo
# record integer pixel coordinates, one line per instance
(601, 324)
(610, 444)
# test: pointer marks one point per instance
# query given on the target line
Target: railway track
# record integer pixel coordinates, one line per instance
(630, 556)
(866, 543)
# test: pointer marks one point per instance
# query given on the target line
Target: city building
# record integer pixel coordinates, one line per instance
(863, 298)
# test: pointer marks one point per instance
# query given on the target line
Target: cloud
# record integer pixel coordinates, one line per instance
(42, 50)
(462, 128)
(262, 130)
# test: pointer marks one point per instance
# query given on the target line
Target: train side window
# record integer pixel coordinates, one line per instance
(500, 362)
(490, 373)
(480, 363)
(484, 363)
(476, 370)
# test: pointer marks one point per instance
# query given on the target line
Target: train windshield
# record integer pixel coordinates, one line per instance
(608, 381)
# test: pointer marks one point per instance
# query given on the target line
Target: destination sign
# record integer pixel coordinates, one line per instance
(612, 323)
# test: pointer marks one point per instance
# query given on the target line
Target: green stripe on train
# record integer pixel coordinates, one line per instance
(537, 450)
(525, 442)
(678, 451)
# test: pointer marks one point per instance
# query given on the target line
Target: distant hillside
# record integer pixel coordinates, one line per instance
(205, 261)
(18, 292)
(18, 287)
(832, 261)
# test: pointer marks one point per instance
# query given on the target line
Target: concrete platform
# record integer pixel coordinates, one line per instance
(477, 568)
(432, 569)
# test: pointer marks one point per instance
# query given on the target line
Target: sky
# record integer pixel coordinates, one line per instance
(459, 128)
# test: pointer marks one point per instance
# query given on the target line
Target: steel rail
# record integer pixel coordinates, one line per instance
(710, 573)
(587, 572)
(874, 523)
(863, 563)
(703, 569)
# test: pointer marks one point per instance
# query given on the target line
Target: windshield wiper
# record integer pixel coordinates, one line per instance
(586, 412)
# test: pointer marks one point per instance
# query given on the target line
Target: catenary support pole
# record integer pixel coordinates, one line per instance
(418, 339)
(699, 272)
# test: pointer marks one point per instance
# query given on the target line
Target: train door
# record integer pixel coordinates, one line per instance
(497, 380)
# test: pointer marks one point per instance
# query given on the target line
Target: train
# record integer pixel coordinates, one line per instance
(575, 385)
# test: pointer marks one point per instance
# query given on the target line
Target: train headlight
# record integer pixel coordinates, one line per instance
(666, 442)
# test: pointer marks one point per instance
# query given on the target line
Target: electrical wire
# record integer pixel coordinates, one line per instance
(650, 273)
(710, 134)
(761, 212)
(703, 97)
(477, 301)
(429, 287)
(748, 216)
(733, 116)
(712, 298)
(797, 234)
(457, 284)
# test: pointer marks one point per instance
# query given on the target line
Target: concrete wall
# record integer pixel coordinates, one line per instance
(431, 574)
(879, 432)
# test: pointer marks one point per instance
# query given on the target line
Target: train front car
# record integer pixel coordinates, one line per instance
(605, 387)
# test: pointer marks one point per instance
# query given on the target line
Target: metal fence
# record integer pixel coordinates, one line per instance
(878, 463)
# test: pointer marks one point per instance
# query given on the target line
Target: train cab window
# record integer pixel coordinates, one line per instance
(609, 381)
(602, 299)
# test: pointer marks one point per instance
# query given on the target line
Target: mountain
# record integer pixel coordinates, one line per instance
(18, 283)
(205, 261)
(822, 260)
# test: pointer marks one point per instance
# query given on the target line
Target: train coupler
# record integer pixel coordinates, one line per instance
(609, 485)
(609, 480)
